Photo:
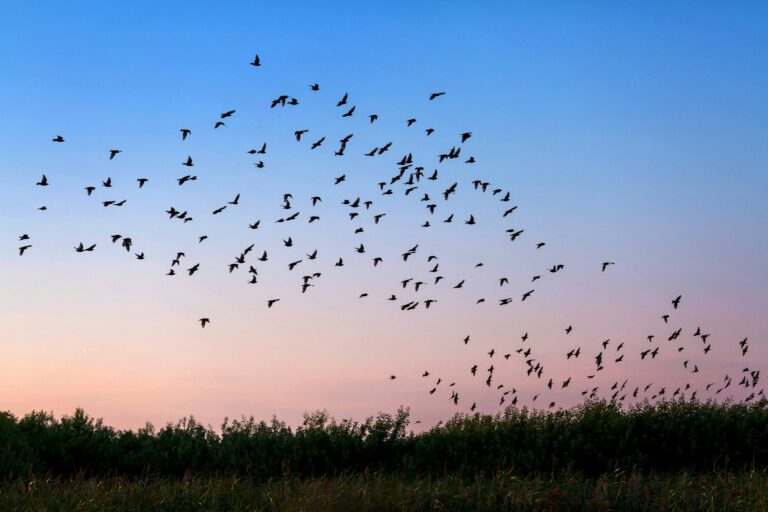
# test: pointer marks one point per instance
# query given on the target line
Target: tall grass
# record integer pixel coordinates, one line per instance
(593, 439)
(386, 492)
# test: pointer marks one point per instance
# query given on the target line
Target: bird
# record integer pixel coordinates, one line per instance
(256, 61)
(58, 138)
(508, 212)
(114, 152)
(82, 248)
(435, 95)
(184, 133)
(606, 263)
(204, 322)
(43, 181)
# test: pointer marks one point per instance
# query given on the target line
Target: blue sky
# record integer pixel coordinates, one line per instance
(633, 132)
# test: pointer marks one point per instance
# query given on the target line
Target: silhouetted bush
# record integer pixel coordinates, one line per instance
(594, 438)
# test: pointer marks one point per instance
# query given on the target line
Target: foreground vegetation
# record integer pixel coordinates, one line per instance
(593, 439)
(680, 455)
(385, 492)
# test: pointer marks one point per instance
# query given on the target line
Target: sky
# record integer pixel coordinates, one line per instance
(631, 133)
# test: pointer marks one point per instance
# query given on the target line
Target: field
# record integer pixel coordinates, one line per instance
(680, 455)
(379, 492)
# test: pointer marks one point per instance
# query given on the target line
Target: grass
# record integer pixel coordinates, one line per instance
(385, 492)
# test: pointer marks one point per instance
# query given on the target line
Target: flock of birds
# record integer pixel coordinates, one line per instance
(406, 180)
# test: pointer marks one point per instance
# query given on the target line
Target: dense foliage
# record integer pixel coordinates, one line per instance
(592, 439)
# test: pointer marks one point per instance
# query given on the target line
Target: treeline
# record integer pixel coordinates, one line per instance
(593, 438)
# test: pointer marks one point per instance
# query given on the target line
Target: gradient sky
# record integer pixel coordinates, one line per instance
(635, 133)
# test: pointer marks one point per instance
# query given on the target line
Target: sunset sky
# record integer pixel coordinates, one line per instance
(635, 134)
